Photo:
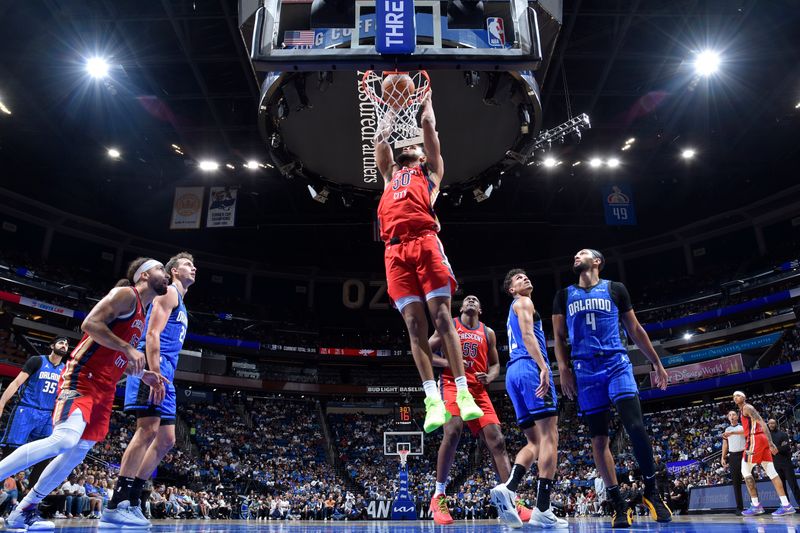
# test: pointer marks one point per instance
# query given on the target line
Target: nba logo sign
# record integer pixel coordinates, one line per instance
(496, 33)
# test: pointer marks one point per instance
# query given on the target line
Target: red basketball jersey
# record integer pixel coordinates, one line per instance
(97, 368)
(474, 349)
(406, 207)
(750, 426)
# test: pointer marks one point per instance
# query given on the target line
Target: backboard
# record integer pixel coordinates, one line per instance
(413, 441)
(318, 123)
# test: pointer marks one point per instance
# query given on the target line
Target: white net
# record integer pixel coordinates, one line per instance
(397, 104)
(403, 456)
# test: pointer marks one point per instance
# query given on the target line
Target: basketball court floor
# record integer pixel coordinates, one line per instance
(687, 524)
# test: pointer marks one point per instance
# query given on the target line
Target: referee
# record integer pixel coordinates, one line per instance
(732, 449)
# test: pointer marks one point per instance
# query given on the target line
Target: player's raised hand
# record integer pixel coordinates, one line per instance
(157, 383)
(544, 383)
(568, 387)
(136, 361)
(662, 378)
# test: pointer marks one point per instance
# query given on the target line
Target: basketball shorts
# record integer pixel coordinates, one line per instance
(417, 270)
(27, 424)
(95, 406)
(602, 381)
(481, 398)
(757, 450)
(136, 400)
(522, 380)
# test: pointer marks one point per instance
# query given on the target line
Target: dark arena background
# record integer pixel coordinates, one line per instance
(663, 133)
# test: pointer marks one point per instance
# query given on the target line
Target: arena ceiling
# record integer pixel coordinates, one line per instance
(180, 77)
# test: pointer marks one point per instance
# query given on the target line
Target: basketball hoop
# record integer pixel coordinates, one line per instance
(403, 457)
(396, 111)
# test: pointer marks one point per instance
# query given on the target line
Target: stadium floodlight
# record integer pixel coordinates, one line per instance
(631, 140)
(576, 163)
(707, 63)
(626, 147)
(687, 336)
(595, 162)
(797, 105)
(207, 165)
(230, 166)
(550, 162)
(113, 153)
(252, 165)
(688, 153)
(482, 194)
(4, 108)
(97, 67)
(321, 196)
(613, 162)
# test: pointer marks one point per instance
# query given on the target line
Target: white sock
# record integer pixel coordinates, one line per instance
(440, 488)
(461, 383)
(784, 501)
(754, 501)
(431, 391)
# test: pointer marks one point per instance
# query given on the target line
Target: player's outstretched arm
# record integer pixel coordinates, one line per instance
(524, 309)
(384, 158)
(118, 302)
(435, 342)
(430, 141)
(492, 360)
(12, 388)
(642, 341)
(568, 387)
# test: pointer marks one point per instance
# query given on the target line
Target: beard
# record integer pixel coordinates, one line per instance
(581, 267)
(160, 289)
(60, 351)
(406, 158)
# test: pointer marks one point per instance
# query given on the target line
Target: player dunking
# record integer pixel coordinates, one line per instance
(166, 325)
(530, 385)
(590, 312)
(32, 418)
(418, 274)
(482, 366)
(758, 451)
(86, 390)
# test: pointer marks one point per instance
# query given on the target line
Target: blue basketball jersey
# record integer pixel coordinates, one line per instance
(39, 391)
(516, 347)
(592, 319)
(172, 337)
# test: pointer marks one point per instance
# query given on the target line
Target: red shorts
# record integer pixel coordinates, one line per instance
(417, 270)
(95, 409)
(759, 446)
(481, 398)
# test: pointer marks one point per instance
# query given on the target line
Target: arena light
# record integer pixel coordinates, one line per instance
(631, 140)
(576, 163)
(482, 194)
(797, 105)
(113, 153)
(688, 153)
(613, 162)
(252, 165)
(97, 67)
(687, 336)
(626, 147)
(321, 196)
(595, 162)
(206, 165)
(550, 162)
(707, 63)
(230, 166)
(4, 109)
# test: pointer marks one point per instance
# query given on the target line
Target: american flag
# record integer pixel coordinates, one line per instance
(298, 38)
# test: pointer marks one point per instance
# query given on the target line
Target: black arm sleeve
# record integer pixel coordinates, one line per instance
(32, 365)
(621, 297)
(560, 303)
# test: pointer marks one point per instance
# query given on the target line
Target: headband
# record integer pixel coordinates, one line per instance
(147, 265)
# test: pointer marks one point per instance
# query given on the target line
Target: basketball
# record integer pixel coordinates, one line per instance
(397, 90)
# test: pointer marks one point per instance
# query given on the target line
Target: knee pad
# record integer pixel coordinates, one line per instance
(598, 424)
(769, 468)
(747, 469)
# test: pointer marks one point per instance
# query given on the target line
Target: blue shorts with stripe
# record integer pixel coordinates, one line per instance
(603, 380)
(27, 424)
(522, 380)
(136, 400)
